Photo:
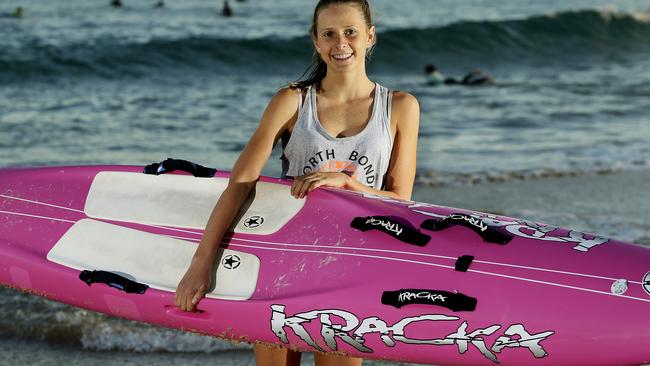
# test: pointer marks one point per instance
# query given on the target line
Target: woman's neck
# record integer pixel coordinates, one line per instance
(346, 86)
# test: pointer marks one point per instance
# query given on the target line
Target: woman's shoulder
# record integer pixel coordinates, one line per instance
(286, 98)
(404, 98)
(282, 109)
(404, 104)
(288, 92)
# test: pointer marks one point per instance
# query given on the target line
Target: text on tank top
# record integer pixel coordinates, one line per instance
(364, 156)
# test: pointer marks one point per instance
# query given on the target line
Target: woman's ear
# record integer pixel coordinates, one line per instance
(372, 37)
(313, 39)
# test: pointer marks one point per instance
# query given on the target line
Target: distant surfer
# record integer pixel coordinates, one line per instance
(160, 4)
(227, 10)
(473, 78)
(116, 3)
(18, 13)
(434, 77)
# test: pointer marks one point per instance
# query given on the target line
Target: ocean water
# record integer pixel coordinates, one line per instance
(563, 137)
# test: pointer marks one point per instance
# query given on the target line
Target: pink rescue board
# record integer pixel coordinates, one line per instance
(336, 272)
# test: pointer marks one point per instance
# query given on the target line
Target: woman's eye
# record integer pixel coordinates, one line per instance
(350, 32)
(327, 34)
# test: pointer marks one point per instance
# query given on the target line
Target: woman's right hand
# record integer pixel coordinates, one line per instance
(194, 285)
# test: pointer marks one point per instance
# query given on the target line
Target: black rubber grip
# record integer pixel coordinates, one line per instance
(489, 234)
(463, 262)
(392, 227)
(453, 301)
(169, 165)
(114, 280)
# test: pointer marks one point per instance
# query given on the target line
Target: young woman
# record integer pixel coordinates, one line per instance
(333, 126)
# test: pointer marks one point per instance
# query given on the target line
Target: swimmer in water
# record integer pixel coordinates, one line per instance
(227, 10)
(477, 77)
(473, 78)
(18, 13)
(434, 77)
(116, 3)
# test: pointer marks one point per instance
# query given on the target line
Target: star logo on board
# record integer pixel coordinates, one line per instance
(253, 222)
(231, 261)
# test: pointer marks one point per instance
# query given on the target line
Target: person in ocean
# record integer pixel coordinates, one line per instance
(434, 77)
(226, 10)
(18, 13)
(473, 78)
(116, 3)
(333, 125)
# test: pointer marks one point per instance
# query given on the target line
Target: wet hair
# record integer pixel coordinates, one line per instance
(318, 66)
(430, 68)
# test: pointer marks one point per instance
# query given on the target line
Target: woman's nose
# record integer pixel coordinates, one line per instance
(341, 41)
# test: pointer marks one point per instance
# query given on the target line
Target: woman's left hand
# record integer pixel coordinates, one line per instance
(308, 182)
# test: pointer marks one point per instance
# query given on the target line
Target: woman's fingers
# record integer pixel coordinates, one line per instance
(189, 292)
(317, 184)
(178, 295)
(305, 187)
(312, 177)
(180, 299)
(188, 300)
(198, 295)
(301, 184)
(308, 182)
(176, 298)
(295, 186)
(189, 305)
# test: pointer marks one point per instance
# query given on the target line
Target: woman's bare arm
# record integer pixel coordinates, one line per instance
(279, 114)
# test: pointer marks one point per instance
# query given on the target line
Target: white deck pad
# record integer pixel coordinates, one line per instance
(186, 202)
(155, 260)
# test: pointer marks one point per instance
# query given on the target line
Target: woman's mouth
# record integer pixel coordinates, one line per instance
(342, 56)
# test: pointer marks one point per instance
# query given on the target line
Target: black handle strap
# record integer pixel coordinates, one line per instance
(169, 165)
(453, 301)
(489, 234)
(463, 262)
(392, 227)
(114, 280)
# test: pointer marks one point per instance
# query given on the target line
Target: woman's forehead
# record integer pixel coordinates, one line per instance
(340, 15)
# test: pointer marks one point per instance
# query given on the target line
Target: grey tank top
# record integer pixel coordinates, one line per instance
(364, 156)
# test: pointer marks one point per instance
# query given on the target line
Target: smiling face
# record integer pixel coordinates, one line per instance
(342, 37)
